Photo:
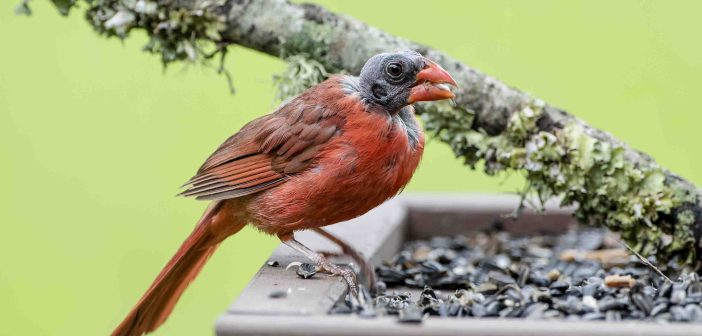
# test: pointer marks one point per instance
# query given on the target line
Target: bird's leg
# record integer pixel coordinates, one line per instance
(367, 268)
(322, 262)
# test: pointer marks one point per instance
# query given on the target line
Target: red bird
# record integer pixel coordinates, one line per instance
(330, 154)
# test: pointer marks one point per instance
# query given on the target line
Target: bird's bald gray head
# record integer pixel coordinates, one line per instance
(386, 79)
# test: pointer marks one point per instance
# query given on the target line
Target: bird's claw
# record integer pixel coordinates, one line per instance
(367, 270)
(347, 274)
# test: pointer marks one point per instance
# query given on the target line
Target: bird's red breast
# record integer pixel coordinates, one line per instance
(321, 158)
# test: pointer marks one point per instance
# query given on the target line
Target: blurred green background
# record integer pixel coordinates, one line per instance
(95, 138)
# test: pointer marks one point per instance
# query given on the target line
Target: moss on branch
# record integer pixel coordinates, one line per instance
(306, 56)
(639, 201)
(177, 30)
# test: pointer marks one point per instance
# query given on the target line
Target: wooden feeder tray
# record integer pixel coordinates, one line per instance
(379, 235)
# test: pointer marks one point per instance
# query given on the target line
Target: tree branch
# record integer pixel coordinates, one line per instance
(656, 211)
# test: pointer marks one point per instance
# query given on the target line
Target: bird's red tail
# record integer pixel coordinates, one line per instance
(158, 301)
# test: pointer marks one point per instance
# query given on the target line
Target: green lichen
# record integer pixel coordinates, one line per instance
(300, 74)
(176, 30)
(306, 54)
(636, 200)
(312, 42)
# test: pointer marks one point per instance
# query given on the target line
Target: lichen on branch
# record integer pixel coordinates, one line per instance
(307, 64)
(176, 32)
(300, 74)
(639, 201)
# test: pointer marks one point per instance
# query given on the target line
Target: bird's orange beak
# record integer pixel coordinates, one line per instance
(431, 84)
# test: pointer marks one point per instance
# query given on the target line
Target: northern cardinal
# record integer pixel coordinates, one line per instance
(330, 154)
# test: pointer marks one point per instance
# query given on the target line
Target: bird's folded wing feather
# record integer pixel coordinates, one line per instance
(266, 151)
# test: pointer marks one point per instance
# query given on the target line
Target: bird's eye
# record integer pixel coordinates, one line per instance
(394, 70)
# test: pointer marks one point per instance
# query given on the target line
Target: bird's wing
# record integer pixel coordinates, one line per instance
(267, 150)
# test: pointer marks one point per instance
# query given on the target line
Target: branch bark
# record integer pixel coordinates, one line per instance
(657, 212)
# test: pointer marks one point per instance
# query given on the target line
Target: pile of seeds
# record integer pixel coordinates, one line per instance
(581, 275)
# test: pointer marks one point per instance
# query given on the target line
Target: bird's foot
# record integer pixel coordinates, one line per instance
(366, 267)
(322, 262)
(347, 274)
